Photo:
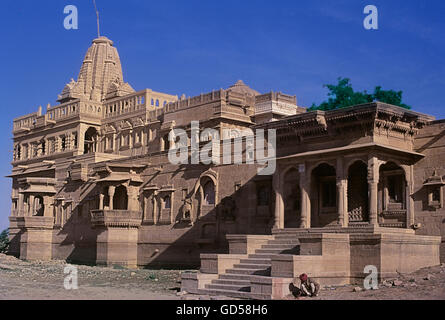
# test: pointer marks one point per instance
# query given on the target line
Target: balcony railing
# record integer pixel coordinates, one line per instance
(116, 218)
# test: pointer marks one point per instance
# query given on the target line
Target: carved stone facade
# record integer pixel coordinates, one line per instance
(92, 182)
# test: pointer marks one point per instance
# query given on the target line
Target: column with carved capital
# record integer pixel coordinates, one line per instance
(133, 201)
(409, 190)
(279, 204)
(373, 180)
(101, 201)
(342, 198)
(111, 191)
(47, 203)
(21, 205)
(305, 200)
(31, 206)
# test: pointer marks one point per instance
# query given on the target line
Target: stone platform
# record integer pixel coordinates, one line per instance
(262, 267)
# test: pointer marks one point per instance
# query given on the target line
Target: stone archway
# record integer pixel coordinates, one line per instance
(358, 192)
(292, 199)
(323, 196)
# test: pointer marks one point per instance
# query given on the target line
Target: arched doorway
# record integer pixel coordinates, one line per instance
(392, 194)
(358, 192)
(90, 141)
(292, 199)
(120, 199)
(323, 196)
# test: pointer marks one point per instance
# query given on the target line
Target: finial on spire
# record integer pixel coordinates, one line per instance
(97, 14)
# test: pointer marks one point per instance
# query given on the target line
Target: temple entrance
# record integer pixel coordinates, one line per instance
(120, 199)
(291, 197)
(90, 142)
(323, 196)
(358, 192)
(392, 195)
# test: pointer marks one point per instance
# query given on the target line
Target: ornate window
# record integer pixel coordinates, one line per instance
(434, 185)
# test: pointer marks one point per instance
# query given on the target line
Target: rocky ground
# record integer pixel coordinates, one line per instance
(45, 280)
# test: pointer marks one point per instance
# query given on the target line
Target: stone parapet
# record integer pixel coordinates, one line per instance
(116, 218)
(193, 282)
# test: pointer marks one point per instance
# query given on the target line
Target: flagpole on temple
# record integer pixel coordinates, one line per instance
(97, 14)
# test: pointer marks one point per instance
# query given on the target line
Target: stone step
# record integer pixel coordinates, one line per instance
(269, 251)
(262, 256)
(256, 261)
(225, 293)
(243, 283)
(279, 246)
(239, 277)
(256, 272)
(251, 266)
(229, 287)
(284, 241)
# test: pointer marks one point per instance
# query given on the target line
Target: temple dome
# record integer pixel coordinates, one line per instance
(101, 71)
(241, 87)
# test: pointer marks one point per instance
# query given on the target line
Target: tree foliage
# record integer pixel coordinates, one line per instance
(342, 95)
(4, 241)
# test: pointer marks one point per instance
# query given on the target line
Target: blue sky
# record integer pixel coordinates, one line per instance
(195, 46)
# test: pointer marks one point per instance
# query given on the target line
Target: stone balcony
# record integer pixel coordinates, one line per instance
(116, 218)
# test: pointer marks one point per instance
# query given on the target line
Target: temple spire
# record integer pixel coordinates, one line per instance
(97, 14)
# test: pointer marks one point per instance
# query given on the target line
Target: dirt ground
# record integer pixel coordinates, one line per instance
(24, 280)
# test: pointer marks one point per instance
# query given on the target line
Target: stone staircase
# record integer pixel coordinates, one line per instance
(236, 282)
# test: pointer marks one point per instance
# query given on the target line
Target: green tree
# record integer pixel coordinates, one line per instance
(4, 241)
(342, 95)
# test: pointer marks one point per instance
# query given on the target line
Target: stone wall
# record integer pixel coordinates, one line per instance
(431, 143)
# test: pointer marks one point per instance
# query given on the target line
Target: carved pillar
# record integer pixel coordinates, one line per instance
(101, 201)
(111, 190)
(130, 138)
(155, 207)
(133, 202)
(373, 180)
(305, 200)
(410, 218)
(47, 206)
(21, 205)
(279, 204)
(31, 206)
(343, 218)
(342, 201)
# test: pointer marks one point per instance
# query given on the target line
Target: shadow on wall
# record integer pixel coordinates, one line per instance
(203, 228)
(200, 229)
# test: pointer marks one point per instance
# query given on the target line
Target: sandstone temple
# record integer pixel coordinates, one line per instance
(92, 183)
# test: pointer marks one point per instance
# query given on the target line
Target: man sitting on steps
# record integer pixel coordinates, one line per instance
(308, 287)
